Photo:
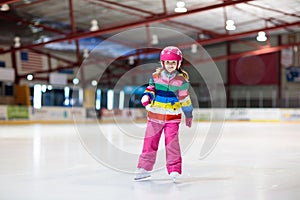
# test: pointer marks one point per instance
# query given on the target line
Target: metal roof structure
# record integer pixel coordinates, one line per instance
(45, 24)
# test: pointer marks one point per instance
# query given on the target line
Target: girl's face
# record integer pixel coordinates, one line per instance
(171, 65)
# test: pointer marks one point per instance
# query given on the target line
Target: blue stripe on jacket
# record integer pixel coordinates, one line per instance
(162, 99)
(165, 93)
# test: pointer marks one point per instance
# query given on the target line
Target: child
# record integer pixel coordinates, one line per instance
(164, 98)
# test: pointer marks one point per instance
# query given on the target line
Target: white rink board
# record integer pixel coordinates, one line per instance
(57, 113)
(237, 114)
(3, 113)
(133, 114)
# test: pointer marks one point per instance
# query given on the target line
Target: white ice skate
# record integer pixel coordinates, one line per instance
(142, 175)
(174, 175)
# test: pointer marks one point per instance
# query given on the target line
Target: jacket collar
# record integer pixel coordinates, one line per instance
(167, 75)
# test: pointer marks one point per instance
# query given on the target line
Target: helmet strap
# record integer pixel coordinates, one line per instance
(162, 64)
(178, 64)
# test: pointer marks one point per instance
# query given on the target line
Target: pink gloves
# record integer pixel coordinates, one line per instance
(145, 100)
(188, 122)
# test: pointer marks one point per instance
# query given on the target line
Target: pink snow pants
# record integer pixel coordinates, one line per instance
(151, 142)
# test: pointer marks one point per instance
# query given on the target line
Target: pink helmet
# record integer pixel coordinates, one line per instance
(171, 53)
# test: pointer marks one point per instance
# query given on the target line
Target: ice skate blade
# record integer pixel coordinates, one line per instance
(142, 179)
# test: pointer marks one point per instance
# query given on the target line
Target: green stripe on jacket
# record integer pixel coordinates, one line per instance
(172, 88)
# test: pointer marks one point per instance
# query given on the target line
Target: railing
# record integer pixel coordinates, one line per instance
(266, 99)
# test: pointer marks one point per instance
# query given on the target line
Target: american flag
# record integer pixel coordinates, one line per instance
(31, 61)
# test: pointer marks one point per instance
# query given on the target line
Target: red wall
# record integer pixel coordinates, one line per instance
(254, 70)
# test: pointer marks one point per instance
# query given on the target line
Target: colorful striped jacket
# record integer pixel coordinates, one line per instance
(169, 97)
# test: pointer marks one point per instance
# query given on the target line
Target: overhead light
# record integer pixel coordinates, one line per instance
(85, 53)
(94, 25)
(29, 77)
(75, 81)
(94, 83)
(261, 36)
(180, 7)
(194, 48)
(42, 38)
(295, 48)
(154, 39)
(131, 60)
(4, 7)
(203, 36)
(230, 25)
(17, 41)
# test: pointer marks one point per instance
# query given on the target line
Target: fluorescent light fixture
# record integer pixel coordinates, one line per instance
(180, 7)
(37, 96)
(110, 99)
(121, 100)
(230, 25)
(94, 25)
(80, 96)
(261, 36)
(98, 99)
(67, 92)
(67, 96)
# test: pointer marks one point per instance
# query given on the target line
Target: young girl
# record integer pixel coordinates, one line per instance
(165, 97)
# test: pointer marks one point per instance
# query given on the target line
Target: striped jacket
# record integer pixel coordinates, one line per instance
(169, 97)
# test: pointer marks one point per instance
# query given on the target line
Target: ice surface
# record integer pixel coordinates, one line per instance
(250, 161)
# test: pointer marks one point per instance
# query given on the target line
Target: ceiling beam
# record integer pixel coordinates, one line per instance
(274, 10)
(9, 2)
(127, 7)
(242, 35)
(218, 58)
(30, 4)
(16, 19)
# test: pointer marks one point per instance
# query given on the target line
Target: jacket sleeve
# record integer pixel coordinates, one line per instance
(185, 100)
(150, 90)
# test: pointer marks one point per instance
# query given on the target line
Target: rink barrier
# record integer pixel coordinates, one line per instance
(56, 115)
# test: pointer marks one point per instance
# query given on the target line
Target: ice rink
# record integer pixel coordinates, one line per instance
(250, 161)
